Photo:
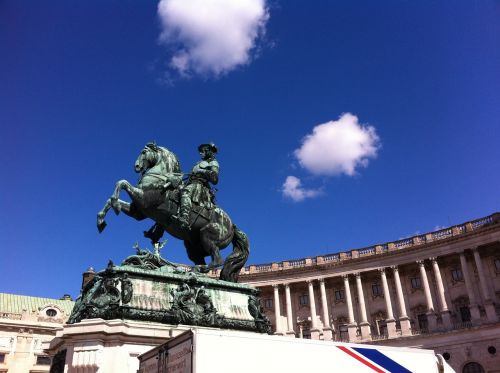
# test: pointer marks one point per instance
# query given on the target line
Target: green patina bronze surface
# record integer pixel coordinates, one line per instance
(150, 288)
(170, 295)
(184, 206)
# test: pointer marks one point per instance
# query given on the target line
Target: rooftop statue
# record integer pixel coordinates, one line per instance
(185, 209)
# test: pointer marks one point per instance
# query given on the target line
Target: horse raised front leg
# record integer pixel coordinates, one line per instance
(133, 192)
(124, 207)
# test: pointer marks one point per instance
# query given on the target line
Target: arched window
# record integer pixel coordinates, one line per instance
(473, 367)
(51, 312)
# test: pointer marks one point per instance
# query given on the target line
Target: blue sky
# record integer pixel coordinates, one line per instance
(84, 85)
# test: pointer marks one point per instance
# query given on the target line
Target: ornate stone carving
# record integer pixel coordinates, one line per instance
(148, 260)
(127, 289)
(192, 305)
(168, 297)
(101, 297)
(262, 323)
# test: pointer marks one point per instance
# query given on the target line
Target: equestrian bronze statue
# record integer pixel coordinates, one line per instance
(184, 209)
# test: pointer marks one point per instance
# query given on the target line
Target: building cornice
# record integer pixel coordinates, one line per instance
(448, 240)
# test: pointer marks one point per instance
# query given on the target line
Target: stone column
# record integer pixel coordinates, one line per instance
(404, 320)
(364, 325)
(473, 307)
(445, 312)
(327, 330)
(489, 307)
(277, 312)
(290, 332)
(352, 327)
(312, 304)
(390, 322)
(431, 315)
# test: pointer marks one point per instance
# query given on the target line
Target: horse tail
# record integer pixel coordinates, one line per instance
(236, 260)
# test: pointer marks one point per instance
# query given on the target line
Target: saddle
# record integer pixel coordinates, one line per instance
(204, 211)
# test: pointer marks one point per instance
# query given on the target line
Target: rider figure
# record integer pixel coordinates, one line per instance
(197, 189)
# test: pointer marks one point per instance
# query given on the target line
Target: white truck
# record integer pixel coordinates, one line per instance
(220, 351)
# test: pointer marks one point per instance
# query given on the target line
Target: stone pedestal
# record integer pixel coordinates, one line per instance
(391, 328)
(405, 326)
(125, 310)
(328, 334)
(111, 346)
(431, 321)
(169, 295)
(352, 331)
(366, 333)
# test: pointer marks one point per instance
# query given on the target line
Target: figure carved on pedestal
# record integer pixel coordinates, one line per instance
(192, 306)
(186, 210)
(262, 323)
(101, 297)
(146, 259)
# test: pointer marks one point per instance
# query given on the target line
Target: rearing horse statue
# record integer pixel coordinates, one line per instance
(156, 196)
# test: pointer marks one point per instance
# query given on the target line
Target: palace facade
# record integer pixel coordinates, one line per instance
(439, 290)
(25, 323)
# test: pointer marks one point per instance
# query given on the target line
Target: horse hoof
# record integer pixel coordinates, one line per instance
(101, 225)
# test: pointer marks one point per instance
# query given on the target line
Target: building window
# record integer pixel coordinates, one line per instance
(42, 360)
(423, 324)
(344, 333)
(497, 265)
(268, 303)
(456, 274)
(2, 358)
(376, 290)
(51, 312)
(416, 283)
(339, 295)
(304, 300)
(465, 314)
(473, 368)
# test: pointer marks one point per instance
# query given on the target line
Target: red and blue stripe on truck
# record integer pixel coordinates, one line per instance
(374, 359)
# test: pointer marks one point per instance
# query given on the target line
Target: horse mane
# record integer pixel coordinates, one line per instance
(170, 159)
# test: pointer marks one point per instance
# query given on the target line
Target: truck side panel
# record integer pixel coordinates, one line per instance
(247, 353)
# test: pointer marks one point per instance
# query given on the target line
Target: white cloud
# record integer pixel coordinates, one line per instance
(338, 147)
(292, 188)
(211, 36)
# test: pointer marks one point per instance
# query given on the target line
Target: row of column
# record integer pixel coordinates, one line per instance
(404, 320)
